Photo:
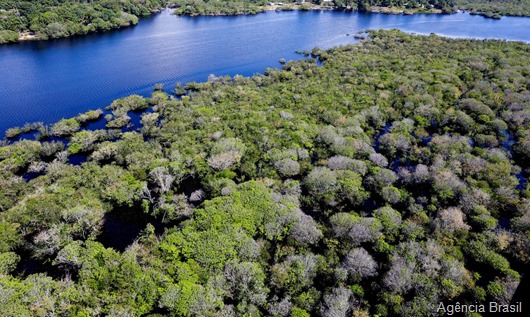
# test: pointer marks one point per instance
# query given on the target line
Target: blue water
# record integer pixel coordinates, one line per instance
(47, 81)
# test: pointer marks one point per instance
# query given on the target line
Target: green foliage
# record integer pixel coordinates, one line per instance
(8, 262)
(63, 18)
(298, 312)
(390, 219)
(481, 253)
(384, 178)
(495, 288)
(19, 155)
(232, 7)
(10, 237)
(65, 127)
(8, 36)
(90, 115)
(84, 141)
(495, 9)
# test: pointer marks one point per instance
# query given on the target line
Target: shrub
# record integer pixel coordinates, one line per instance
(65, 127)
(7, 36)
(360, 264)
(321, 182)
(287, 167)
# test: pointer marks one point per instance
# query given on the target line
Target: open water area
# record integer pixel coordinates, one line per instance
(48, 80)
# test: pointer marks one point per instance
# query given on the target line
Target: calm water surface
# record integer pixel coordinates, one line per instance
(47, 81)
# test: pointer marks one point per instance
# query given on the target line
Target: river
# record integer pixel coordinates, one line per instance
(47, 81)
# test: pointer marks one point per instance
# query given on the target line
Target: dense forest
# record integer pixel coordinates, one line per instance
(62, 18)
(217, 7)
(375, 179)
(487, 8)
(233, 7)
(496, 8)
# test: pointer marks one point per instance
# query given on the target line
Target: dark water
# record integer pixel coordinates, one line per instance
(46, 81)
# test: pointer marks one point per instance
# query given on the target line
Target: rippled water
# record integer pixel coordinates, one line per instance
(47, 81)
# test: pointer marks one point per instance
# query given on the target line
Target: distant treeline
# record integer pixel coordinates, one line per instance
(488, 8)
(364, 5)
(231, 7)
(63, 18)
(234, 7)
(496, 8)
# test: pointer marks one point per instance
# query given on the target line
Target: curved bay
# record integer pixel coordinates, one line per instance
(47, 81)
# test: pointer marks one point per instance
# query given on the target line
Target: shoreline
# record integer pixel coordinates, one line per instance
(316, 7)
(30, 36)
(362, 35)
(166, 19)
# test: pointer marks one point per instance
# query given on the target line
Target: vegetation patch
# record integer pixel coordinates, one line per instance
(389, 179)
(49, 19)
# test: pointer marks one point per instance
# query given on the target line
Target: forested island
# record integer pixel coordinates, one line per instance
(375, 179)
(50, 19)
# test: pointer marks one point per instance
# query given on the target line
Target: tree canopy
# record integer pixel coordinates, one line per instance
(63, 18)
(379, 178)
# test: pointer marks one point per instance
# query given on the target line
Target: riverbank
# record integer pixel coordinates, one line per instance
(399, 10)
(297, 7)
(41, 20)
(113, 64)
(32, 36)
(495, 9)
(327, 6)
(28, 36)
